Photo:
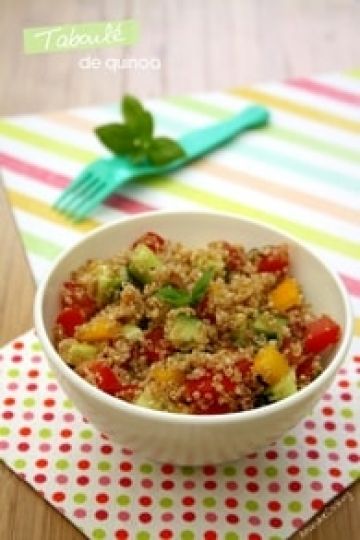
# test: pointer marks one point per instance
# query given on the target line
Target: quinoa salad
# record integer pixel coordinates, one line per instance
(208, 330)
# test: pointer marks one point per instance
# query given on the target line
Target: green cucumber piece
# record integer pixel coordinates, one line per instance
(131, 332)
(74, 353)
(283, 388)
(270, 325)
(109, 282)
(186, 331)
(142, 263)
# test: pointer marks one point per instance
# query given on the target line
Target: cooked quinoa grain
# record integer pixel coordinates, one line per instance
(210, 330)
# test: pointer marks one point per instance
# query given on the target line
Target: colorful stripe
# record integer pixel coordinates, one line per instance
(357, 327)
(325, 90)
(292, 107)
(39, 246)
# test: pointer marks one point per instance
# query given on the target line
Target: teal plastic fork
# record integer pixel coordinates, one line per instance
(104, 176)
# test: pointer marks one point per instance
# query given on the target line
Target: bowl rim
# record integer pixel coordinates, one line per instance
(182, 418)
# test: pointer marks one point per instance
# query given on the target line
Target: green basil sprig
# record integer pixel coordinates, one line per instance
(179, 297)
(134, 138)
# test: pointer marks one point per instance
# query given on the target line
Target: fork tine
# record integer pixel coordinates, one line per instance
(78, 192)
(82, 198)
(77, 183)
(94, 201)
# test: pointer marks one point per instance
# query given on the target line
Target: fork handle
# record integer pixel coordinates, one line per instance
(202, 141)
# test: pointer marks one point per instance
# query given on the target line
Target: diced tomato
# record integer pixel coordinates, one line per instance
(69, 318)
(320, 334)
(203, 310)
(235, 257)
(244, 366)
(305, 368)
(152, 240)
(275, 261)
(75, 294)
(204, 397)
(155, 345)
(106, 379)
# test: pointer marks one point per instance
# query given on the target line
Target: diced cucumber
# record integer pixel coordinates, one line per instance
(108, 282)
(142, 263)
(131, 332)
(186, 331)
(284, 388)
(74, 353)
(146, 399)
(269, 325)
(240, 335)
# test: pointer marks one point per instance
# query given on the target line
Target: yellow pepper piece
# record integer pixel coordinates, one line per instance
(98, 330)
(167, 375)
(270, 364)
(285, 295)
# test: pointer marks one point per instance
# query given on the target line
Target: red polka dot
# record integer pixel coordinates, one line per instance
(293, 470)
(254, 536)
(188, 516)
(351, 443)
(230, 502)
(145, 500)
(274, 506)
(16, 358)
(354, 458)
(210, 535)
(41, 463)
(18, 345)
(253, 487)
(102, 498)
(310, 439)
(7, 415)
(106, 449)
(167, 484)
(334, 471)
(166, 534)
(23, 447)
(121, 534)
(231, 485)
(317, 504)
(271, 454)
(83, 464)
(209, 470)
(33, 373)
(126, 466)
(167, 468)
(336, 486)
(330, 426)
(343, 384)
(49, 402)
(101, 515)
(251, 471)
(9, 401)
(66, 433)
(188, 501)
(312, 454)
(48, 417)
(356, 358)
(40, 478)
(346, 396)
(25, 431)
(295, 486)
(232, 518)
(82, 480)
(31, 387)
(65, 447)
(58, 496)
(328, 411)
(145, 517)
(276, 522)
(210, 484)
(125, 481)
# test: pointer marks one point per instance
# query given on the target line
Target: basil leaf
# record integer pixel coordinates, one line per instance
(118, 138)
(132, 111)
(162, 150)
(173, 296)
(147, 126)
(201, 286)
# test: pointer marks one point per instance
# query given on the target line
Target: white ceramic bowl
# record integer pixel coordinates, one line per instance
(179, 438)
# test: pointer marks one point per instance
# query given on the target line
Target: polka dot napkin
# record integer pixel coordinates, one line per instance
(110, 493)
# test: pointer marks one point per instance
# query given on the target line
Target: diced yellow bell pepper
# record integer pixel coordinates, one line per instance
(285, 295)
(167, 375)
(270, 364)
(98, 330)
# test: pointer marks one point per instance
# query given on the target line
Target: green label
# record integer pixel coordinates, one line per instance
(68, 37)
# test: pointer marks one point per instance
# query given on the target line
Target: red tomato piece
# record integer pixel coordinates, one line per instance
(69, 318)
(203, 310)
(305, 368)
(152, 240)
(155, 346)
(204, 397)
(320, 334)
(275, 261)
(235, 257)
(244, 366)
(75, 294)
(105, 378)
